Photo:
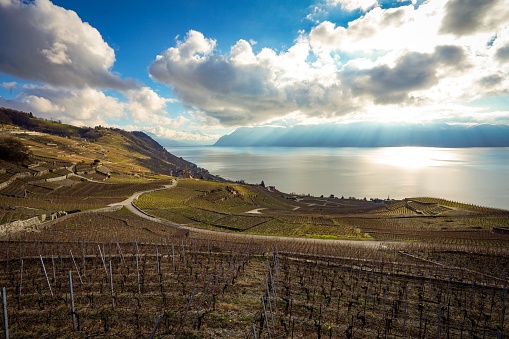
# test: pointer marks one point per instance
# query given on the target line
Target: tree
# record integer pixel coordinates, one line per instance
(262, 184)
(11, 149)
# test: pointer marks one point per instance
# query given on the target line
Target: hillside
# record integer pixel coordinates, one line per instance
(122, 151)
(370, 135)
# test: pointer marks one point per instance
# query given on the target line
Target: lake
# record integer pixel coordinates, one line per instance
(472, 175)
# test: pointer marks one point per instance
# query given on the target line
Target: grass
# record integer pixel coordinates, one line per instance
(322, 236)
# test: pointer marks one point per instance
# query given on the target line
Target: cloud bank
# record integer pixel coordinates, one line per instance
(44, 43)
(50, 44)
(445, 60)
(409, 56)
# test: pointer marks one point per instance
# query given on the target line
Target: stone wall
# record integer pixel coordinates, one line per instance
(13, 178)
(20, 225)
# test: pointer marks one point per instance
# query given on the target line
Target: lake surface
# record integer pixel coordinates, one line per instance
(472, 175)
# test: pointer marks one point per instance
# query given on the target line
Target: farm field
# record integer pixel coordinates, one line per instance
(80, 196)
(185, 285)
(229, 260)
(251, 209)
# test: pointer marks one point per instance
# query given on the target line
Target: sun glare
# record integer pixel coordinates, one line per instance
(414, 157)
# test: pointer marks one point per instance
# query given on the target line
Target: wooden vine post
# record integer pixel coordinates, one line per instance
(73, 314)
(6, 318)
(76, 266)
(266, 318)
(111, 287)
(504, 309)
(46, 275)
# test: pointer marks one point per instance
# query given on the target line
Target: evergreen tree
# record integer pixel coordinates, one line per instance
(11, 149)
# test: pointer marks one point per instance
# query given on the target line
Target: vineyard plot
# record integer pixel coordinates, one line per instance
(120, 289)
(315, 296)
(224, 288)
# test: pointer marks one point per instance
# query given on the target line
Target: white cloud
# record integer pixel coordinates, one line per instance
(173, 134)
(9, 85)
(408, 56)
(411, 72)
(203, 121)
(500, 48)
(242, 53)
(351, 5)
(167, 121)
(86, 106)
(167, 133)
(384, 30)
(449, 113)
(145, 104)
(44, 42)
(466, 17)
(243, 87)
(440, 53)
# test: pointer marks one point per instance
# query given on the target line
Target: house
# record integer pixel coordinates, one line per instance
(103, 170)
(40, 170)
(82, 168)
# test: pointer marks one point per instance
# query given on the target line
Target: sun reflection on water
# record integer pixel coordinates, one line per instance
(414, 157)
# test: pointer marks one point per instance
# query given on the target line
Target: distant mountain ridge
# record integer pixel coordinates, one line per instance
(370, 135)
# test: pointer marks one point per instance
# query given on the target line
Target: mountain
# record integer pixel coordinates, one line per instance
(370, 135)
(122, 151)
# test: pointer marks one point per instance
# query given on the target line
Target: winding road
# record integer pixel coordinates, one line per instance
(129, 203)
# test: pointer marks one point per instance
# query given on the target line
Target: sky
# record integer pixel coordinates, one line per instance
(195, 70)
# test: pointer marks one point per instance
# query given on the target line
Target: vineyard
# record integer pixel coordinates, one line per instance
(111, 273)
(225, 207)
(48, 198)
(437, 269)
(76, 279)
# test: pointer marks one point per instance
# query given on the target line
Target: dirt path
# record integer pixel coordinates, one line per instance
(255, 211)
(129, 204)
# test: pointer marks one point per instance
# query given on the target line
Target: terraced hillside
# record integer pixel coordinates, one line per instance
(122, 151)
(252, 209)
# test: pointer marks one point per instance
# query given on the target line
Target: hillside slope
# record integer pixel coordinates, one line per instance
(122, 151)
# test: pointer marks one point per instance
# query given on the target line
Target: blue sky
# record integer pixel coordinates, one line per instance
(195, 70)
